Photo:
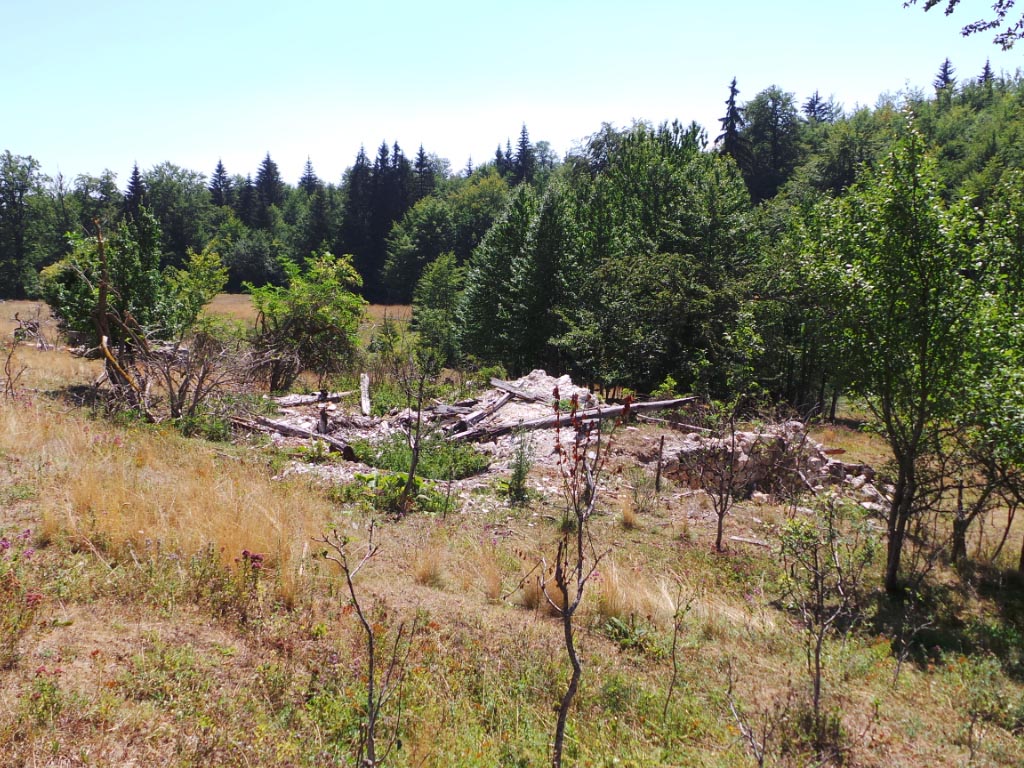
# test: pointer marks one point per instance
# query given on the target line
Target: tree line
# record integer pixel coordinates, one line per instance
(803, 253)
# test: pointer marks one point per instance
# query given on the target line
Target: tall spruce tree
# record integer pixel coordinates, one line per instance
(731, 140)
(490, 324)
(424, 178)
(221, 188)
(246, 202)
(525, 162)
(945, 82)
(309, 182)
(270, 191)
(135, 195)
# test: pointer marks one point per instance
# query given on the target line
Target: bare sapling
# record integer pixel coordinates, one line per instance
(13, 370)
(385, 673)
(826, 560)
(576, 559)
(761, 728)
(679, 610)
(718, 470)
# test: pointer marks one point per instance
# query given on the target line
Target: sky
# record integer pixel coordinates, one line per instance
(111, 83)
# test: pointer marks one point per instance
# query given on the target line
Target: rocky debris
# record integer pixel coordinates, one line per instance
(777, 458)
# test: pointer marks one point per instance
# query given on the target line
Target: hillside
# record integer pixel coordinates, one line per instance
(167, 602)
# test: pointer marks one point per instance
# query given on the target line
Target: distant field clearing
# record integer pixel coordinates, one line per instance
(238, 306)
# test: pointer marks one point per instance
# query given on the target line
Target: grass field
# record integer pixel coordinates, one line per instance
(164, 601)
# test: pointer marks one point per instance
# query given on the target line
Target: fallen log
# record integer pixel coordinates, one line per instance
(745, 540)
(565, 419)
(689, 428)
(480, 414)
(262, 424)
(522, 394)
(290, 401)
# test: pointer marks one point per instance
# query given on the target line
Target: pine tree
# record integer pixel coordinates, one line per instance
(488, 311)
(731, 141)
(270, 191)
(310, 182)
(221, 189)
(773, 133)
(424, 180)
(354, 237)
(525, 161)
(135, 195)
(816, 109)
(987, 75)
(246, 202)
(499, 161)
(944, 82)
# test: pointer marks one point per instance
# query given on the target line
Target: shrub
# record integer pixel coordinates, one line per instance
(522, 460)
(309, 325)
(20, 603)
(439, 459)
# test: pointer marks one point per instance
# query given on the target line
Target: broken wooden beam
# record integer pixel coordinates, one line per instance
(290, 401)
(679, 426)
(522, 394)
(262, 424)
(565, 419)
(480, 414)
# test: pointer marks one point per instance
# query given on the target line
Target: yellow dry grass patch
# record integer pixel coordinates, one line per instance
(233, 306)
(111, 489)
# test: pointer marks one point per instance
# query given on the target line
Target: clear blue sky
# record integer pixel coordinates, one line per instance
(105, 84)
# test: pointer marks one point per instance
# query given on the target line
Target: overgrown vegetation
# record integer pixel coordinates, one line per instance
(170, 598)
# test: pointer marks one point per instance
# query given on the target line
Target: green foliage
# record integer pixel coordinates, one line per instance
(311, 324)
(439, 458)
(160, 304)
(21, 601)
(384, 491)
(72, 287)
(192, 288)
(909, 308)
(43, 702)
(516, 490)
(773, 134)
(435, 305)
(425, 233)
(20, 183)
(632, 635)
(167, 673)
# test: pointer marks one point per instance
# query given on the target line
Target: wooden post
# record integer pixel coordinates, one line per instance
(657, 474)
(364, 393)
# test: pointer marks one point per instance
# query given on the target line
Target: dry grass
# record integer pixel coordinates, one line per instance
(859, 445)
(119, 490)
(629, 517)
(482, 570)
(233, 306)
(399, 313)
(428, 564)
(623, 593)
(239, 307)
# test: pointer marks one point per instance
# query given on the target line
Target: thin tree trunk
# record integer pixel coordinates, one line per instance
(570, 693)
(899, 515)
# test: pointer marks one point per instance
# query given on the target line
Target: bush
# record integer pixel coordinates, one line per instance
(439, 459)
(311, 324)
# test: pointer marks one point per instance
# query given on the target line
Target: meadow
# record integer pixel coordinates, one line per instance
(166, 601)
